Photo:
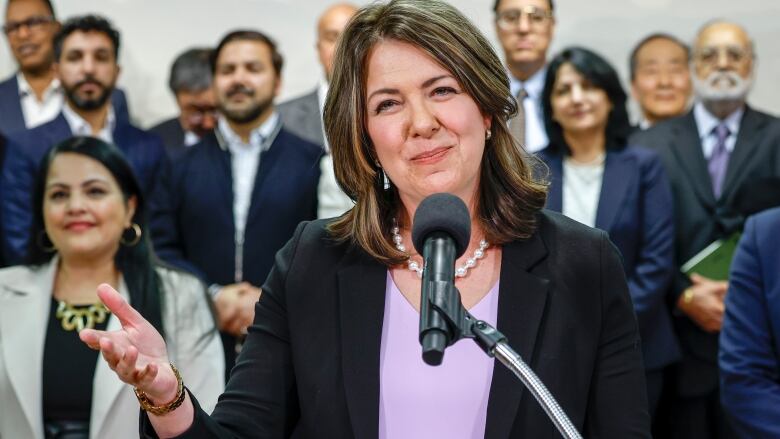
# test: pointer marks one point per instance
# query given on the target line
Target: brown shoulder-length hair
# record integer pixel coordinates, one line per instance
(508, 196)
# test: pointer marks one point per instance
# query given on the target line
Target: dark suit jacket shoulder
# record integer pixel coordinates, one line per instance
(172, 135)
(310, 365)
(302, 117)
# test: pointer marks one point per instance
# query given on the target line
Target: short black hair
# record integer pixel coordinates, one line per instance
(249, 35)
(46, 3)
(191, 71)
(600, 74)
(497, 2)
(86, 23)
(632, 60)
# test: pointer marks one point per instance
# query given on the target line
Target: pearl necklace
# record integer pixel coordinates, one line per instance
(461, 271)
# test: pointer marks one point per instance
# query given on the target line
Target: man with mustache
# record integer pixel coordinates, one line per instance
(86, 50)
(234, 199)
(525, 29)
(712, 155)
(34, 95)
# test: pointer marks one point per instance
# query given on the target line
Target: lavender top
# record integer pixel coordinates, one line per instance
(421, 401)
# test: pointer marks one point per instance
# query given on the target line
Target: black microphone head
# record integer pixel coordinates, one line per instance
(442, 213)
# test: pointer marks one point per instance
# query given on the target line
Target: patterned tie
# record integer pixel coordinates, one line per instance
(719, 160)
(517, 123)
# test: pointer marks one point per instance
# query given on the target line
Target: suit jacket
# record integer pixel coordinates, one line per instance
(635, 208)
(25, 301)
(12, 119)
(26, 150)
(310, 364)
(194, 226)
(172, 135)
(301, 116)
(700, 218)
(750, 338)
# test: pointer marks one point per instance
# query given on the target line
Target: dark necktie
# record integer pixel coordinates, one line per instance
(719, 160)
(517, 123)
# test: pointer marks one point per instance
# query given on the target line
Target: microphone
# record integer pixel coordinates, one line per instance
(441, 233)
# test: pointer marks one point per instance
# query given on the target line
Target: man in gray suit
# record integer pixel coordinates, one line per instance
(303, 115)
(712, 155)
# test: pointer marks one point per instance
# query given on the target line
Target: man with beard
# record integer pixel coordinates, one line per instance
(712, 155)
(303, 115)
(34, 95)
(525, 29)
(86, 50)
(234, 199)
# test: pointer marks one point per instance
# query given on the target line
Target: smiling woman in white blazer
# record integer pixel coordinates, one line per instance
(89, 215)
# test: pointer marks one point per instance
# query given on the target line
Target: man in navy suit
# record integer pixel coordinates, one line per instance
(234, 199)
(86, 50)
(750, 337)
(34, 95)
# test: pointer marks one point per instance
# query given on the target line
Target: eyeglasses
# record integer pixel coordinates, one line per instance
(31, 23)
(510, 18)
(709, 56)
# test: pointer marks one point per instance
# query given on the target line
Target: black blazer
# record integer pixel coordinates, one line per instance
(172, 135)
(310, 364)
(700, 219)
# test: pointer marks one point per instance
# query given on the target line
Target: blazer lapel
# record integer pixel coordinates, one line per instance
(24, 315)
(223, 168)
(361, 303)
(266, 167)
(748, 138)
(521, 300)
(688, 152)
(106, 385)
(10, 107)
(618, 173)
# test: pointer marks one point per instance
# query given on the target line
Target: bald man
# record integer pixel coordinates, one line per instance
(303, 115)
(713, 155)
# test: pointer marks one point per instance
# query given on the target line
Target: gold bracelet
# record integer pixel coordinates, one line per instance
(147, 405)
(688, 296)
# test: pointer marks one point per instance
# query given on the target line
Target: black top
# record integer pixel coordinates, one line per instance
(68, 371)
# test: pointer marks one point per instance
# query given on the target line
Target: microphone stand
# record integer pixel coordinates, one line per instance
(461, 324)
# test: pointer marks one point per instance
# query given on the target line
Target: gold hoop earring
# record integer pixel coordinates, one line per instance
(41, 241)
(137, 232)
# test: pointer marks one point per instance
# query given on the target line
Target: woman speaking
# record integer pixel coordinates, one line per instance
(418, 105)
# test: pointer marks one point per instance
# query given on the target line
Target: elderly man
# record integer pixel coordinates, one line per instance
(34, 95)
(190, 83)
(711, 155)
(303, 115)
(525, 29)
(660, 78)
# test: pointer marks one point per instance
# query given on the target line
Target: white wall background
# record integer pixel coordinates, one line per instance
(154, 31)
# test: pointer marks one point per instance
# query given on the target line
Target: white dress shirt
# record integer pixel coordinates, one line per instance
(245, 160)
(80, 127)
(331, 200)
(37, 112)
(535, 133)
(581, 190)
(706, 123)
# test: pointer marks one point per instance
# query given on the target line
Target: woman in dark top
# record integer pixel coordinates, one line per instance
(600, 180)
(89, 229)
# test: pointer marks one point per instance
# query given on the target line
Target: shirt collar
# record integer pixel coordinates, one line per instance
(533, 85)
(706, 121)
(261, 137)
(26, 90)
(80, 127)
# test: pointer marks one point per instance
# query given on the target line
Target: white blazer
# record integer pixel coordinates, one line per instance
(25, 301)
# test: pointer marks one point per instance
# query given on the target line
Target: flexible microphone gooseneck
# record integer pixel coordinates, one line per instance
(441, 233)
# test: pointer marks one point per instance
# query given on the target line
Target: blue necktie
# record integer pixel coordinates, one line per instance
(719, 160)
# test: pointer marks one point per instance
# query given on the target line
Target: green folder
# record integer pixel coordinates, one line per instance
(714, 261)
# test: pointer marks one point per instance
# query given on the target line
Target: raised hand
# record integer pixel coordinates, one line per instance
(136, 352)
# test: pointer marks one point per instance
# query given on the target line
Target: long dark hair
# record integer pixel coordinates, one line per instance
(602, 75)
(135, 262)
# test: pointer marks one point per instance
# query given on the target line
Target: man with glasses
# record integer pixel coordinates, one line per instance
(712, 155)
(525, 29)
(190, 83)
(34, 95)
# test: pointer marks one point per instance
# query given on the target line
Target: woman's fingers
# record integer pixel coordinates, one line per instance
(114, 301)
(91, 337)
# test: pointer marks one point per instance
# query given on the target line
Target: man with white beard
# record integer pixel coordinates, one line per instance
(712, 155)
